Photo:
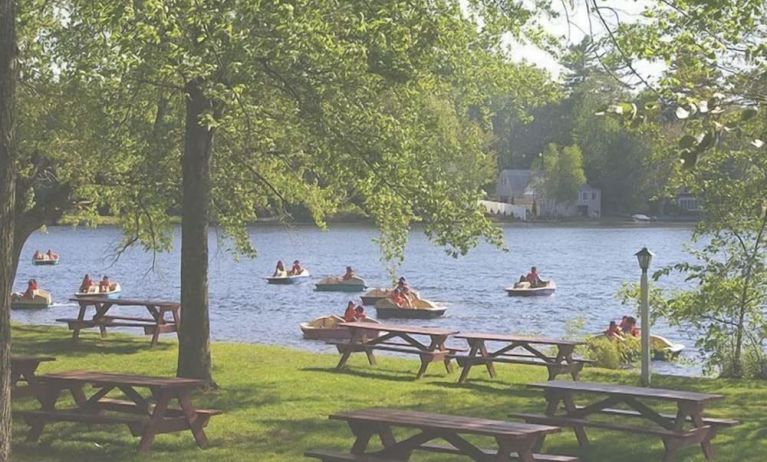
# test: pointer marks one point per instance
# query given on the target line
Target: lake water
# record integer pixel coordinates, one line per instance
(588, 264)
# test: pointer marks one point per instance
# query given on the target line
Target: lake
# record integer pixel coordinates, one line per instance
(588, 264)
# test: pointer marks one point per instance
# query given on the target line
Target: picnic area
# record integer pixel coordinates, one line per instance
(276, 402)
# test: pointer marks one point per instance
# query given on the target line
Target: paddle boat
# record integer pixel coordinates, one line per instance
(339, 284)
(523, 289)
(664, 349)
(94, 291)
(40, 299)
(327, 328)
(289, 278)
(416, 308)
(372, 296)
(45, 260)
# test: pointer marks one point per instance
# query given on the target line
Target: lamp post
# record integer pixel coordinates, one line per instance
(645, 257)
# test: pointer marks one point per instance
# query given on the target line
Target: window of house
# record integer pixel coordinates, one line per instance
(585, 196)
(593, 196)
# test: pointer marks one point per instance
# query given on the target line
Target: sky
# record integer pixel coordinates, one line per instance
(574, 26)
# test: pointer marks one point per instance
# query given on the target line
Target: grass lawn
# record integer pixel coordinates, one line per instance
(277, 400)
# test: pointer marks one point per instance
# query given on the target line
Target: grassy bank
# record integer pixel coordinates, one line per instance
(277, 401)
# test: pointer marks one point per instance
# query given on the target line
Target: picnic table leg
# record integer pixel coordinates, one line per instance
(696, 415)
(552, 401)
(355, 339)
(371, 357)
(159, 319)
(489, 364)
(580, 432)
(192, 419)
(80, 317)
(523, 448)
(150, 429)
(424, 365)
(362, 433)
(48, 396)
(469, 361)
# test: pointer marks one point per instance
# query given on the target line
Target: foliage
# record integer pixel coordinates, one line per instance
(562, 170)
(629, 295)
(276, 402)
(613, 354)
(730, 272)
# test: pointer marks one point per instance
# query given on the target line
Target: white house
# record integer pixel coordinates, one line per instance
(523, 187)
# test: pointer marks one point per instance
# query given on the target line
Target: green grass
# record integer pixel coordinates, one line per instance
(277, 401)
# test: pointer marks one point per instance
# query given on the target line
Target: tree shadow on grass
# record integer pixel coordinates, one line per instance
(378, 373)
(41, 343)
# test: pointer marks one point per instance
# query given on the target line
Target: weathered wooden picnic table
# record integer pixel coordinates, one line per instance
(144, 416)
(532, 354)
(512, 441)
(364, 340)
(687, 427)
(154, 326)
(23, 370)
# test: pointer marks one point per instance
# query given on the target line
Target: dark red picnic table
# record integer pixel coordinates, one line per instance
(23, 368)
(158, 322)
(145, 416)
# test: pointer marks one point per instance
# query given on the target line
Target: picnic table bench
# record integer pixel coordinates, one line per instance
(155, 325)
(144, 416)
(531, 354)
(687, 427)
(363, 341)
(512, 441)
(23, 370)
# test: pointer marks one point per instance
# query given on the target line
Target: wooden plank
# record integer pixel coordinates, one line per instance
(426, 420)
(413, 330)
(713, 421)
(445, 449)
(124, 301)
(335, 456)
(564, 421)
(490, 337)
(625, 390)
(113, 379)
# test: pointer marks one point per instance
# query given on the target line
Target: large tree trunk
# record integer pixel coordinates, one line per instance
(7, 206)
(194, 336)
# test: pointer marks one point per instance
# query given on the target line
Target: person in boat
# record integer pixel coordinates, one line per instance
(350, 315)
(51, 254)
(631, 327)
(296, 269)
(38, 255)
(349, 274)
(86, 284)
(31, 289)
(533, 278)
(104, 284)
(279, 271)
(613, 331)
(398, 297)
(359, 313)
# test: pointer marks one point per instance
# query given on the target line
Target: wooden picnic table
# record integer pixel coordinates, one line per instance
(145, 416)
(365, 338)
(155, 325)
(512, 441)
(23, 369)
(531, 354)
(686, 427)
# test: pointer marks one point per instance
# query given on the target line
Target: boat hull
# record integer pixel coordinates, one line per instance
(339, 287)
(410, 313)
(287, 280)
(45, 262)
(538, 292)
(110, 295)
(28, 305)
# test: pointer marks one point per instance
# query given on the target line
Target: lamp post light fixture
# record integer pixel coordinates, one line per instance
(644, 257)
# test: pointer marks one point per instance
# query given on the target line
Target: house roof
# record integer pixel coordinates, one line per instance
(519, 182)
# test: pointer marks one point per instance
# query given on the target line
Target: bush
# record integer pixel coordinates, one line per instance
(613, 354)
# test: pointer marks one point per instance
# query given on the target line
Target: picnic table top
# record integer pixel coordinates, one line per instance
(30, 358)
(399, 329)
(626, 390)
(114, 379)
(516, 338)
(428, 420)
(125, 301)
